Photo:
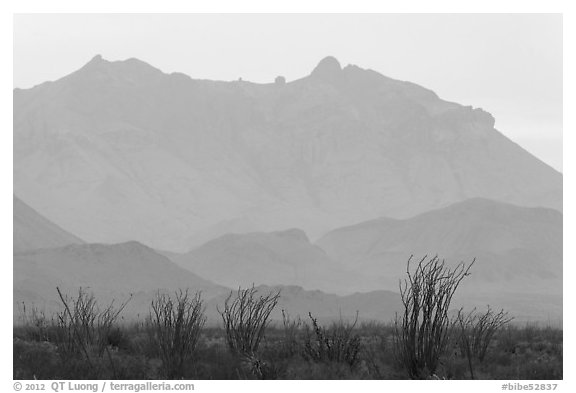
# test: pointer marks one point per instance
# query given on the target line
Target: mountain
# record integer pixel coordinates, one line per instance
(518, 252)
(31, 230)
(109, 271)
(172, 161)
(276, 258)
(297, 302)
(117, 272)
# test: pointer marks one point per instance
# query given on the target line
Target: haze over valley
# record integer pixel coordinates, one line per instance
(129, 180)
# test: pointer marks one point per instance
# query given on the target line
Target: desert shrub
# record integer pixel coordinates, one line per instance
(508, 338)
(176, 324)
(376, 353)
(529, 332)
(451, 366)
(375, 329)
(540, 369)
(245, 318)
(422, 332)
(129, 366)
(35, 360)
(34, 325)
(338, 343)
(325, 370)
(215, 361)
(552, 335)
(291, 332)
(117, 338)
(42, 360)
(84, 329)
(477, 331)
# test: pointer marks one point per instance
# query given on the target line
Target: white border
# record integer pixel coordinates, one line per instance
(420, 6)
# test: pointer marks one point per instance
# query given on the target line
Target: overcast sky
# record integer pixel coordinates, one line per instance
(509, 65)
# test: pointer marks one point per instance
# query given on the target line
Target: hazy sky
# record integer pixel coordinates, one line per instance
(507, 64)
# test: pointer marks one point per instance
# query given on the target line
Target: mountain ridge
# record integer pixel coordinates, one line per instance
(31, 230)
(149, 150)
(518, 251)
(275, 258)
(134, 272)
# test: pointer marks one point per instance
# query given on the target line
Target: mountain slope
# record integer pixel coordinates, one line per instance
(32, 231)
(172, 161)
(277, 258)
(518, 250)
(115, 273)
(297, 302)
(109, 271)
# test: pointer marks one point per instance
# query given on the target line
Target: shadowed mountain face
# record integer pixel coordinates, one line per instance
(173, 162)
(277, 258)
(518, 252)
(118, 272)
(111, 271)
(32, 231)
(518, 267)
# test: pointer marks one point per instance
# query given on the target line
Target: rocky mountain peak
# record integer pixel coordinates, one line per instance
(329, 69)
(131, 69)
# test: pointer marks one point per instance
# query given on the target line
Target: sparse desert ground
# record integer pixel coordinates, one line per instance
(41, 351)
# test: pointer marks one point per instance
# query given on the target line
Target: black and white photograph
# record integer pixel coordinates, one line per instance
(287, 196)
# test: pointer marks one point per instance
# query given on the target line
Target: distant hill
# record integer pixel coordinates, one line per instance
(276, 258)
(121, 154)
(32, 231)
(113, 273)
(172, 161)
(109, 271)
(295, 301)
(518, 252)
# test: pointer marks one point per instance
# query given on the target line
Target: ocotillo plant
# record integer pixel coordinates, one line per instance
(477, 331)
(83, 328)
(176, 324)
(421, 334)
(245, 318)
